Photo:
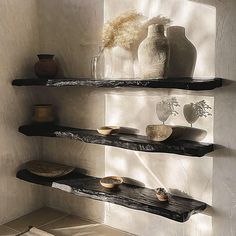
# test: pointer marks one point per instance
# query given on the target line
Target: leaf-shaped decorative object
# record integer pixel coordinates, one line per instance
(193, 111)
(190, 113)
(165, 108)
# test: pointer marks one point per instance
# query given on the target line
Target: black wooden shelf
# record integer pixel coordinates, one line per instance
(131, 142)
(138, 198)
(175, 83)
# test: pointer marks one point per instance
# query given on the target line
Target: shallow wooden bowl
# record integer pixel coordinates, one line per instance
(111, 181)
(48, 169)
(107, 130)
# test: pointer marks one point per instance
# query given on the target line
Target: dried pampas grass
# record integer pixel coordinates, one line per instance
(127, 29)
(122, 31)
(160, 20)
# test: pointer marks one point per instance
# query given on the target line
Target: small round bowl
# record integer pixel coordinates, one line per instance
(107, 130)
(111, 181)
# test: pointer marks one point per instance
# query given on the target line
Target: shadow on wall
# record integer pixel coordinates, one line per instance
(183, 54)
(206, 2)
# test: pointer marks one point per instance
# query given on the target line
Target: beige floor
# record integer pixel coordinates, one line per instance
(59, 224)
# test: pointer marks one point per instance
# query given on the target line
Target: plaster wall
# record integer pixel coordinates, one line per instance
(19, 39)
(224, 165)
(184, 176)
(70, 30)
(222, 214)
(72, 33)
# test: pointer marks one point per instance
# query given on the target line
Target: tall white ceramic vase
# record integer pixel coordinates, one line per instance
(153, 53)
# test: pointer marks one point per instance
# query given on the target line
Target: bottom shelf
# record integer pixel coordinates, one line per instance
(138, 198)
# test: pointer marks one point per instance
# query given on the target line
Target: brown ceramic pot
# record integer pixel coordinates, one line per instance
(43, 113)
(46, 67)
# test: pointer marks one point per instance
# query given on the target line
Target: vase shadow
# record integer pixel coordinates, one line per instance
(183, 53)
(189, 133)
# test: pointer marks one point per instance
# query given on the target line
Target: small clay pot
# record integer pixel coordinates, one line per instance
(43, 113)
(46, 67)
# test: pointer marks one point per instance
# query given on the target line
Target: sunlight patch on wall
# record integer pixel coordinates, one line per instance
(180, 175)
(184, 176)
(198, 20)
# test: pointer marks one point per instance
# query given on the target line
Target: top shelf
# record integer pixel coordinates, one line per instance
(175, 83)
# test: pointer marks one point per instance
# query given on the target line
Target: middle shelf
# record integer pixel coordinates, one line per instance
(125, 141)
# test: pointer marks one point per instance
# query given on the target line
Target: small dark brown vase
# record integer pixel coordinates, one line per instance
(46, 67)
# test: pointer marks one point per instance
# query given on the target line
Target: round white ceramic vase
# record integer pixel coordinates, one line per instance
(153, 53)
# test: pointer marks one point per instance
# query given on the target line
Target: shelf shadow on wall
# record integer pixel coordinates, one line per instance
(208, 211)
(180, 193)
(228, 82)
(183, 54)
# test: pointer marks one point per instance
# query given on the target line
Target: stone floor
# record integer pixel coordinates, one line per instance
(59, 224)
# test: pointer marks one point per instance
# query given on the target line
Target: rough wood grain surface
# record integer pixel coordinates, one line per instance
(138, 198)
(177, 83)
(131, 142)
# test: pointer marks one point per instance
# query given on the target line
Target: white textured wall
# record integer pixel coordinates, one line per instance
(199, 18)
(199, 21)
(18, 45)
(224, 174)
(179, 174)
(70, 29)
(223, 212)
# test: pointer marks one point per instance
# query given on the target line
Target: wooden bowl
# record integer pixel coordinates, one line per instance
(48, 169)
(158, 132)
(111, 181)
(107, 130)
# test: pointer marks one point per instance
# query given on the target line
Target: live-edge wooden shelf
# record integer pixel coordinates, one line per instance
(138, 198)
(131, 142)
(175, 83)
